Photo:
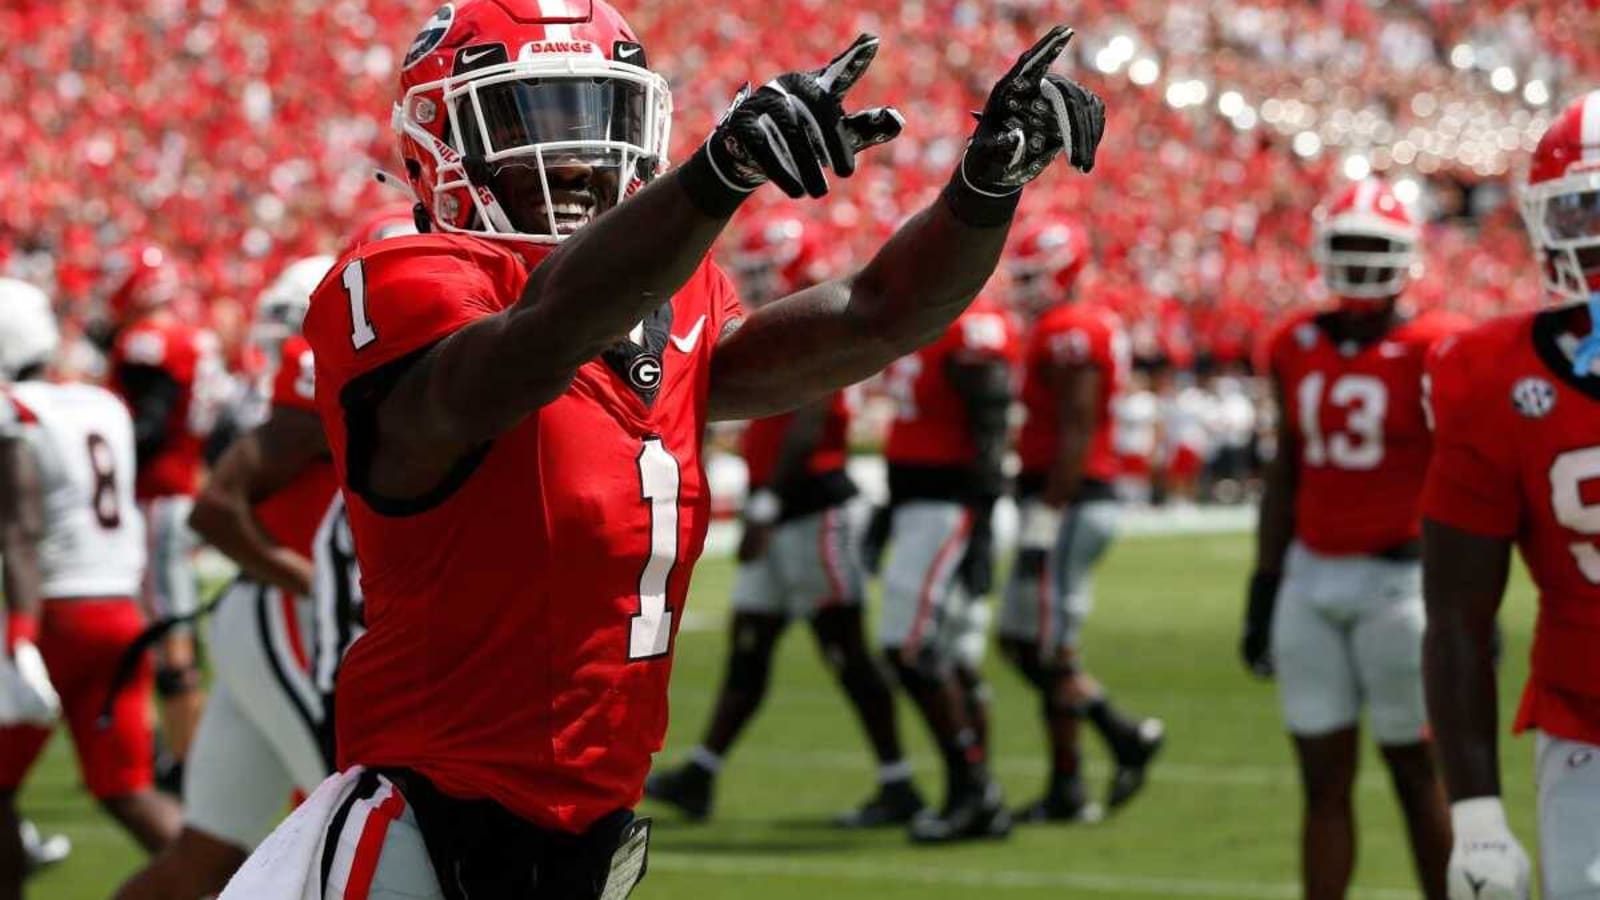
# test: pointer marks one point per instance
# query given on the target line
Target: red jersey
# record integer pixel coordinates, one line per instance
(292, 513)
(1518, 457)
(191, 358)
(1357, 415)
(762, 443)
(521, 616)
(1073, 334)
(930, 422)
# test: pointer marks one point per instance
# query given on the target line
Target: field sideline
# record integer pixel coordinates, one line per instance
(1218, 820)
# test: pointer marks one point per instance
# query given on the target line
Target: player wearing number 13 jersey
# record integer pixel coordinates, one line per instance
(1336, 601)
(515, 404)
(1516, 407)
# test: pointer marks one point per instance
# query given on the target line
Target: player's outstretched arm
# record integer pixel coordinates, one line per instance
(837, 333)
(617, 270)
(257, 464)
(1464, 579)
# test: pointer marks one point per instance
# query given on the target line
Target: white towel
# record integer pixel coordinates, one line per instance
(285, 866)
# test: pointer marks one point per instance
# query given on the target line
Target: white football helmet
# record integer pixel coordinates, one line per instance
(282, 306)
(28, 334)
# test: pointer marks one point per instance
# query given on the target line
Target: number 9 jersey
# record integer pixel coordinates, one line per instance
(520, 616)
(1357, 416)
(1517, 457)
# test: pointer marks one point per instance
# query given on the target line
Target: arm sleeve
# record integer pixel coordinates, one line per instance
(386, 306)
(1472, 477)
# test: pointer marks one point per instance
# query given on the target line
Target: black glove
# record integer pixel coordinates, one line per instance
(875, 539)
(1032, 115)
(754, 542)
(977, 567)
(1256, 646)
(794, 129)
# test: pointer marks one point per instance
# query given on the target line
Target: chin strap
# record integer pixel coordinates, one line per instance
(1588, 352)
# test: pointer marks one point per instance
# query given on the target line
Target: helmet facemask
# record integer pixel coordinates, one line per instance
(540, 147)
(1563, 221)
(1366, 264)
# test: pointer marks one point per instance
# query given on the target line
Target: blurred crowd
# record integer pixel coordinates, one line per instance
(242, 134)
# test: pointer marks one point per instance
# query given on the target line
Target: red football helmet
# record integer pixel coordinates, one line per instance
(391, 221)
(1561, 202)
(1366, 242)
(1045, 263)
(152, 281)
(523, 119)
(777, 255)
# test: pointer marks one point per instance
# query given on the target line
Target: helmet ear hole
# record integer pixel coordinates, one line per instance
(413, 169)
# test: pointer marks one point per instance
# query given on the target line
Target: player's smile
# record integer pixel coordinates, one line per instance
(576, 192)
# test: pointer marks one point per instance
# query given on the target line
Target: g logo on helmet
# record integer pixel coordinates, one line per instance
(431, 35)
(644, 373)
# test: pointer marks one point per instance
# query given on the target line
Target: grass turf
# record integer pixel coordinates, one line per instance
(1218, 820)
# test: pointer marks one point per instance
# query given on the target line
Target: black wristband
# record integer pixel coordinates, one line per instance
(706, 189)
(975, 208)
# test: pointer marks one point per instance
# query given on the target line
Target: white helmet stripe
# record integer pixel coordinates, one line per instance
(1367, 195)
(558, 9)
(1589, 136)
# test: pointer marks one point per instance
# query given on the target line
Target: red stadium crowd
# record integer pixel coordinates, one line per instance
(243, 135)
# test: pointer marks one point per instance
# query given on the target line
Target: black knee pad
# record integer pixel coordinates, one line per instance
(1024, 657)
(974, 685)
(926, 673)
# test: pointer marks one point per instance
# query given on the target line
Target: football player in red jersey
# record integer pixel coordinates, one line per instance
(798, 559)
(265, 730)
(516, 403)
(170, 375)
(1335, 603)
(1516, 407)
(946, 454)
(1075, 363)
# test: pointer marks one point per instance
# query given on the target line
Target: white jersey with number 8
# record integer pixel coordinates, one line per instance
(81, 438)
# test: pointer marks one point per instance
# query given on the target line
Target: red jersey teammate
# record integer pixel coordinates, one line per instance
(1075, 364)
(516, 403)
(946, 453)
(170, 375)
(798, 559)
(1335, 605)
(265, 728)
(1516, 407)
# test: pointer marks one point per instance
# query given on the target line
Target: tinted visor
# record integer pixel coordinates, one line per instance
(1573, 217)
(518, 114)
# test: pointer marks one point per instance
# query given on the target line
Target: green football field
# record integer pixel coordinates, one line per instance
(1218, 820)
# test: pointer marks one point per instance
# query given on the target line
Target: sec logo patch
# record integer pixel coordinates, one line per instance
(1534, 398)
(644, 373)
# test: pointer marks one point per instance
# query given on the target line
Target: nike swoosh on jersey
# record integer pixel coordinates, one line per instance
(688, 342)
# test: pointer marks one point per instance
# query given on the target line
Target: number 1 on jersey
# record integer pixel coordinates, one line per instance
(355, 284)
(650, 632)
